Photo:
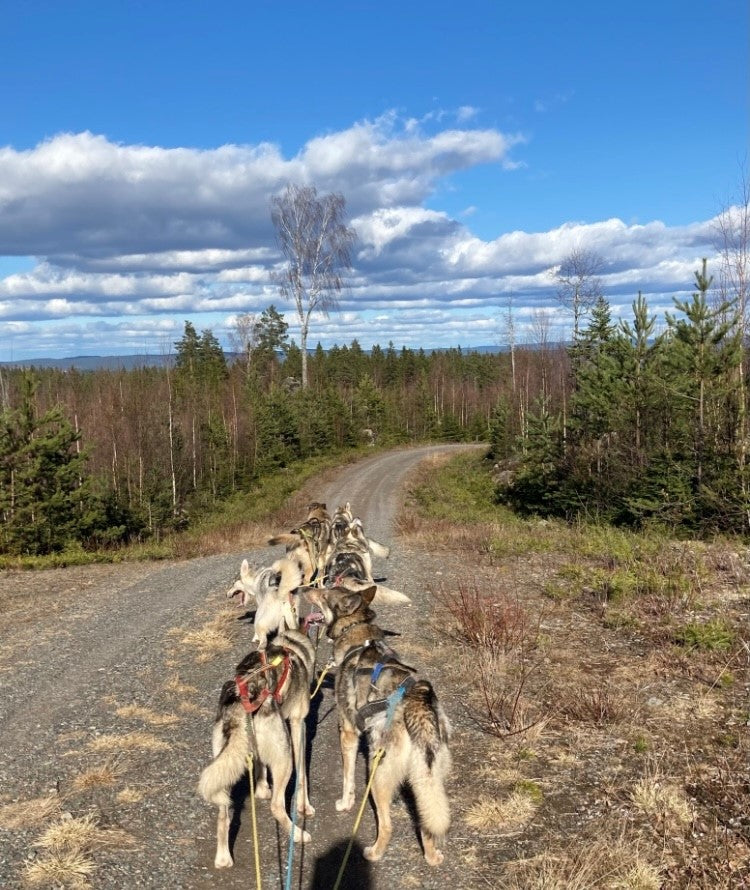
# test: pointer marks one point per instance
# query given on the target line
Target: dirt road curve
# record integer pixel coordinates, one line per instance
(109, 681)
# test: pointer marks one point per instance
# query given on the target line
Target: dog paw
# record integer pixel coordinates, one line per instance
(306, 810)
(301, 837)
(344, 804)
(223, 861)
(372, 854)
(435, 857)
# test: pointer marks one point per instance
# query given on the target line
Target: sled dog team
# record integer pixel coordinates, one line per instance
(328, 564)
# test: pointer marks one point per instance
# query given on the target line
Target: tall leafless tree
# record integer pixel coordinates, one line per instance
(243, 336)
(317, 244)
(509, 335)
(578, 283)
(732, 228)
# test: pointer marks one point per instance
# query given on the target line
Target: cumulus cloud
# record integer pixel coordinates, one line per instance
(152, 236)
(80, 196)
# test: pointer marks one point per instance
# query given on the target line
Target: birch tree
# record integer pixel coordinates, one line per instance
(316, 244)
(578, 283)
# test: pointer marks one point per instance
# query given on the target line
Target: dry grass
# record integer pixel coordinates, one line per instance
(28, 813)
(510, 814)
(98, 776)
(67, 869)
(189, 707)
(136, 712)
(131, 741)
(130, 795)
(212, 639)
(67, 846)
(603, 864)
(179, 688)
(81, 834)
(663, 801)
(224, 538)
(643, 655)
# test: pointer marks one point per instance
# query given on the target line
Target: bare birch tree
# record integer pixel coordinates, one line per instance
(732, 228)
(317, 245)
(509, 335)
(578, 283)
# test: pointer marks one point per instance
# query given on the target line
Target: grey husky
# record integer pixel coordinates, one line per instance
(270, 687)
(377, 694)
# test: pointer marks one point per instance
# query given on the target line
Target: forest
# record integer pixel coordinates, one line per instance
(629, 423)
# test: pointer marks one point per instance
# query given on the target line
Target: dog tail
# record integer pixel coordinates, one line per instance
(430, 760)
(384, 596)
(378, 549)
(288, 539)
(229, 747)
(291, 575)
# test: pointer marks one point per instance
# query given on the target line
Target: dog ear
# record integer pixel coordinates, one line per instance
(245, 573)
(348, 603)
(368, 594)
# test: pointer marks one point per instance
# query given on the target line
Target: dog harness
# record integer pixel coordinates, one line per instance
(252, 705)
(389, 703)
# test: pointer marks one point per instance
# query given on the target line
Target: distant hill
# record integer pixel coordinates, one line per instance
(93, 362)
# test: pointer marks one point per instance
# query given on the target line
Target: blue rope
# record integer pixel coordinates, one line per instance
(298, 770)
(393, 699)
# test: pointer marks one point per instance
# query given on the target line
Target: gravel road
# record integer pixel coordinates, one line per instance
(110, 676)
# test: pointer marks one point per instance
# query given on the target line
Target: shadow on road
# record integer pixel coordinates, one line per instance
(358, 873)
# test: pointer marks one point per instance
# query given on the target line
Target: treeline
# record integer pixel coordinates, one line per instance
(106, 457)
(630, 424)
(654, 427)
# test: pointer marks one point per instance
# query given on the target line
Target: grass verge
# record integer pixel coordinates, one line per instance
(605, 666)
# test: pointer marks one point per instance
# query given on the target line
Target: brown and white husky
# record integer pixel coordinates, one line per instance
(269, 687)
(371, 682)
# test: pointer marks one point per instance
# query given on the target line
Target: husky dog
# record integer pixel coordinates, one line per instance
(370, 682)
(340, 522)
(317, 510)
(350, 565)
(273, 589)
(344, 522)
(350, 554)
(269, 687)
(308, 544)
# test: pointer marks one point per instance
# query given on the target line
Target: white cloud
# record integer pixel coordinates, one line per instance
(153, 236)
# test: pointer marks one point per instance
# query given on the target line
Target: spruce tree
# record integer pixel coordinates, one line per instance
(42, 483)
(705, 352)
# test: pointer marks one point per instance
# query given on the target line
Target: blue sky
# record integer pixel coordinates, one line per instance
(477, 144)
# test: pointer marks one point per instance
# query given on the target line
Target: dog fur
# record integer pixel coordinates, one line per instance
(273, 589)
(416, 743)
(344, 522)
(350, 565)
(308, 543)
(347, 556)
(269, 737)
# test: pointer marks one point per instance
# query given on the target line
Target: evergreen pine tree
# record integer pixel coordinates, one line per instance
(705, 353)
(41, 478)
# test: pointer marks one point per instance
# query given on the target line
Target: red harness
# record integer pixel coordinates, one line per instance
(251, 706)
